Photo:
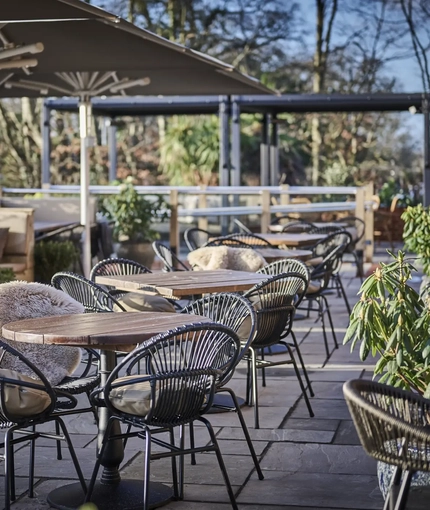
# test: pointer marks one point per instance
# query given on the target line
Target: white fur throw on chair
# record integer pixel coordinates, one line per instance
(223, 257)
(22, 300)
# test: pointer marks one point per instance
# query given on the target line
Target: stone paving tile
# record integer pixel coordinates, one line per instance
(311, 424)
(317, 458)
(240, 447)
(324, 408)
(206, 472)
(284, 434)
(270, 417)
(346, 433)
(314, 490)
(332, 390)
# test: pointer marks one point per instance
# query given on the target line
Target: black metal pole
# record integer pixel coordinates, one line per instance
(46, 146)
(274, 153)
(112, 151)
(235, 176)
(426, 178)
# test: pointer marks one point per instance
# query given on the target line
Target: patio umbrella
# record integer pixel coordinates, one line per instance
(68, 48)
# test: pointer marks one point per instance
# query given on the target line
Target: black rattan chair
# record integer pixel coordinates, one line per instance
(94, 297)
(297, 227)
(357, 225)
(182, 367)
(330, 228)
(273, 302)
(393, 427)
(228, 241)
(231, 310)
(25, 403)
(251, 240)
(291, 266)
(170, 260)
(324, 247)
(195, 238)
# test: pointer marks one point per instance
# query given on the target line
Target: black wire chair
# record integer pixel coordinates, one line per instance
(393, 427)
(324, 247)
(117, 267)
(94, 297)
(298, 227)
(330, 228)
(358, 226)
(25, 403)
(252, 240)
(170, 260)
(278, 220)
(273, 302)
(292, 266)
(237, 313)
(182, 367)
(196, 238)
(228, 241)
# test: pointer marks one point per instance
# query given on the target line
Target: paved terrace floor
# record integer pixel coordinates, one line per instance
(308, 463)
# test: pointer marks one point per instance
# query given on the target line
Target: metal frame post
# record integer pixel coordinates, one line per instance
(426, 177)
(112, 150)
(224, 154)
(264, 151)
(274, 153)
(46, 146)
(235, 174)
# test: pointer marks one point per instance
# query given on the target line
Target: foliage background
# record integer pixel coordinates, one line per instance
(346, 48)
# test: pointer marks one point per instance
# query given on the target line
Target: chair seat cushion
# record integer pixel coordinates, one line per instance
(313, 287)
(140, 302)
(21, 401)
(132, 399)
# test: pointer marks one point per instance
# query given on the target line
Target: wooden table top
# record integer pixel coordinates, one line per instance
(272, 254)
(113, 331)
(293, 240)
(185, 283)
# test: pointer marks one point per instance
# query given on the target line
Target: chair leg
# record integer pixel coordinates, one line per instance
(221, 463)
(31, 463)
(336, 345)
(305, 372)
(12, 471)
(181, 462)
(174, 467)
(192, 443)
(8, 454)
(299, 378)
(72, 454)
(402, 498)
(359, 263)
(254, 383)
(342, 290)
(245, 431)
(395, 481)
(321, 317)
(57, 431)
(263, 371)
(147, 469)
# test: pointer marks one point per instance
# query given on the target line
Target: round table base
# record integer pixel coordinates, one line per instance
(127, 495)
(224, 400)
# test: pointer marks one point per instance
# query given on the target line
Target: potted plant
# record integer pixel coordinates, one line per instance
(133, 216)
(392, 323)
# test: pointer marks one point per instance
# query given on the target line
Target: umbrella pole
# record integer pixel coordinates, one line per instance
(85, 126)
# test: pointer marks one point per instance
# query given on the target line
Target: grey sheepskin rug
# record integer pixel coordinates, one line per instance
(223, 257)
(23, 300)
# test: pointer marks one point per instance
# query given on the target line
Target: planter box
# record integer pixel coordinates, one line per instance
(388, 226)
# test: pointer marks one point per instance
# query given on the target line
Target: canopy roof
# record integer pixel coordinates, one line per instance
(95, 53)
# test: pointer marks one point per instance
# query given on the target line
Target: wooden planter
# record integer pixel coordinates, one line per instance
(389, 224)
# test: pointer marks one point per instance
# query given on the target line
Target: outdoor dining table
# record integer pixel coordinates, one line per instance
(272, 254)
(292, 240)
(108, 332)
(181, 284)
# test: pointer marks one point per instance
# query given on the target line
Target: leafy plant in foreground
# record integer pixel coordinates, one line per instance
(392, 322)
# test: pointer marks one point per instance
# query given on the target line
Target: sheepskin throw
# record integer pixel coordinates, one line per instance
(22, 300)
(224, 257)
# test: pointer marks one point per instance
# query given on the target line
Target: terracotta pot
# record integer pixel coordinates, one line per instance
(141, 252)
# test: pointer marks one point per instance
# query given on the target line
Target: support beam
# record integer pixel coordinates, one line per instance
(112, 149)
(235, 174)
(46, 146)
(426, 177)
(224, 154)
(274, 153)
(264, 151)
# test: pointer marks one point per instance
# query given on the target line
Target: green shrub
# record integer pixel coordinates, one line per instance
(6, 275)
(53, 256)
